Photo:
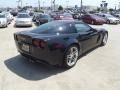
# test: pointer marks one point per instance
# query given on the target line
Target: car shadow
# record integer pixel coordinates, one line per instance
(22, 26)
(35, 71)
(31, 71)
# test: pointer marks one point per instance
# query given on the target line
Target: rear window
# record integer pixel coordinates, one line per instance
(23, 16)
(44, 16)
(53, 28)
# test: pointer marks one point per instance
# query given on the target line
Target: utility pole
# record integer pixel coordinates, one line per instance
(119, 5)
(39, 4)
(67, 3)
(21, 3)
(81, 7)
(103, 4)
(18, 3)
(54, 4)
(43, 4)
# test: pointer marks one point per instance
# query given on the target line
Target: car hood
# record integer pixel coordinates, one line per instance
(113, 18)
(23, 19)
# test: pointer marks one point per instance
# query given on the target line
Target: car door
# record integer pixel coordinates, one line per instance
(85, 36)
(95, 36)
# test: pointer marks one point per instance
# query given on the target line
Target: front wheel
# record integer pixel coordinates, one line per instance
(104, 40)
(71, 56)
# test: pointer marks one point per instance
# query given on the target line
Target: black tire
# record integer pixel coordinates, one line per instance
(65, 62)
(104, 40)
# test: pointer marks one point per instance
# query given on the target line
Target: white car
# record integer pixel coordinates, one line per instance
(117, 15)
(111, 19)
(23, 19)
(8, 16)
(3, 20)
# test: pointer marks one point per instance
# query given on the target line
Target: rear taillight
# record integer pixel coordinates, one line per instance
(39, 43)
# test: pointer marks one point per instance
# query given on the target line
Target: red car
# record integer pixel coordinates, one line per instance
(63, 17)
(93, 19)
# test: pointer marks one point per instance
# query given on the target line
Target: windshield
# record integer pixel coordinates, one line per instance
(49, 28)
(44, 16)
(23, 16)
(109, 16)
(2, 16)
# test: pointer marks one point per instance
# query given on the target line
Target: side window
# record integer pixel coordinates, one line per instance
(67, 29)
(82, 27)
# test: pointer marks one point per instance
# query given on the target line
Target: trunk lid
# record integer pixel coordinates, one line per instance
(27, 37)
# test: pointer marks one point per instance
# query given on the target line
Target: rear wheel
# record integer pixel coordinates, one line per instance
(71, 56)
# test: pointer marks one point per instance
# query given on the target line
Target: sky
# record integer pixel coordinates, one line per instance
(13, 3)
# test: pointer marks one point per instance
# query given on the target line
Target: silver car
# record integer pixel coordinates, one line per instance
(23, 19)
(3, 20)
(111, 19)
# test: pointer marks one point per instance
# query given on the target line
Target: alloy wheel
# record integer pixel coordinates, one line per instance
(72, 56)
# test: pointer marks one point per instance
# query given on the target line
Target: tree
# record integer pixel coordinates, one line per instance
(98, 9)
(60, 8)
(111, 10)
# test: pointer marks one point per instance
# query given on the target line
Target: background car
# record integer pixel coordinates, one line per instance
(59, 42)
(64, 16)
(43, 18)
(36, 14)
(8, 16)
(117, 15)
(93, 19)
(111, 19)
(3, 20)
(23, 19)
(14, 12)
(76, 16)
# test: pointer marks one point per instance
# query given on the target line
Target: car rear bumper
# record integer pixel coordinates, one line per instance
(53, 57)
(114, 22)
(2, 25)
(23, 24)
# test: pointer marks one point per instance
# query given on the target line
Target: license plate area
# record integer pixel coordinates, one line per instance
(25, 48)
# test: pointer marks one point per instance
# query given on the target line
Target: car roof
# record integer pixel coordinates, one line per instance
(23, 13)
(67, 21)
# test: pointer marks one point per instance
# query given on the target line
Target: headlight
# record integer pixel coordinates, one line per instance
(3, 22)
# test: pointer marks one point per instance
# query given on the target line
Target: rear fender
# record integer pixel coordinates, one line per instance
(73, 42)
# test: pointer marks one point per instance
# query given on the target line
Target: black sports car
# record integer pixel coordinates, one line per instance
(59, 42)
